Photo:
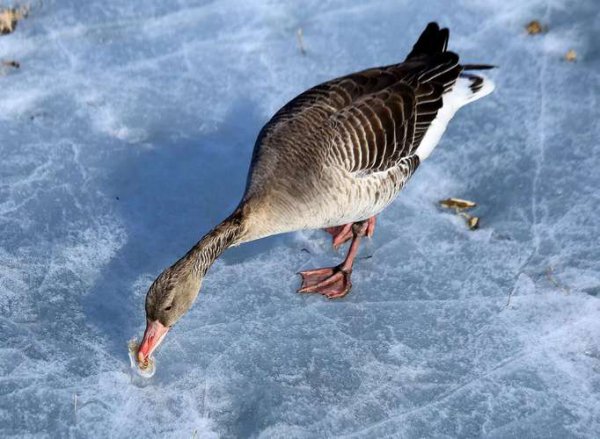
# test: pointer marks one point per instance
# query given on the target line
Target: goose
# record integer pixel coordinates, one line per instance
(332, 158)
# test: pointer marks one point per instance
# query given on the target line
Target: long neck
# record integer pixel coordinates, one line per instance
(200, 257)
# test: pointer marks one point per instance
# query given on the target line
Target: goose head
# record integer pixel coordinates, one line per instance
(169, 297)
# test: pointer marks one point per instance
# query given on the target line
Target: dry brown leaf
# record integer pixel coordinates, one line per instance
(10, 17)
(473, 222)
(7, 66)
(571, 55)
(13, 64)
(534, 27)
(457, 203)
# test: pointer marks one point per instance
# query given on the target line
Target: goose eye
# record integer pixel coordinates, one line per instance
(168, 308)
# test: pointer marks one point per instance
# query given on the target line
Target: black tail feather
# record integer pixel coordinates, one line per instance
(433, 40)
(478, 66)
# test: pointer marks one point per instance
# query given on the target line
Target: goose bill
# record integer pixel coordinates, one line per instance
(154, 334)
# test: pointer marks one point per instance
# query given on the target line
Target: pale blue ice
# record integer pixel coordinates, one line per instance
(126, 134)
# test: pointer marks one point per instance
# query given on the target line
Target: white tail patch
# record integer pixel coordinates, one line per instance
(460, 95)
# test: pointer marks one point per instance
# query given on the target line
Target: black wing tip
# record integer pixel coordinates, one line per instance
(478, 66)
(433, 40)
(432, 28)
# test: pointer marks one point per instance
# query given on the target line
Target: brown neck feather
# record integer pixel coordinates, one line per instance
(201, 256)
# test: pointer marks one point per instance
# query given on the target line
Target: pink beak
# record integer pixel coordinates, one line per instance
(154, 334)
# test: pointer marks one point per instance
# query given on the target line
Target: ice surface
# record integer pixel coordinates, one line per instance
(126, 134)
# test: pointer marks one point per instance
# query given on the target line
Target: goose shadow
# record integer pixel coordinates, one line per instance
(166, 196)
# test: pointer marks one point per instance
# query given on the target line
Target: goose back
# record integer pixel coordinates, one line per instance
(342, 150)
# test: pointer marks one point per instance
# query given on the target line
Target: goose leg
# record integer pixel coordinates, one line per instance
(371, 226)
(340, 234)
(334, 282)
(344, 233)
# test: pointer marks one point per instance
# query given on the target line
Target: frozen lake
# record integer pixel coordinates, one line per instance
(126, 134)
